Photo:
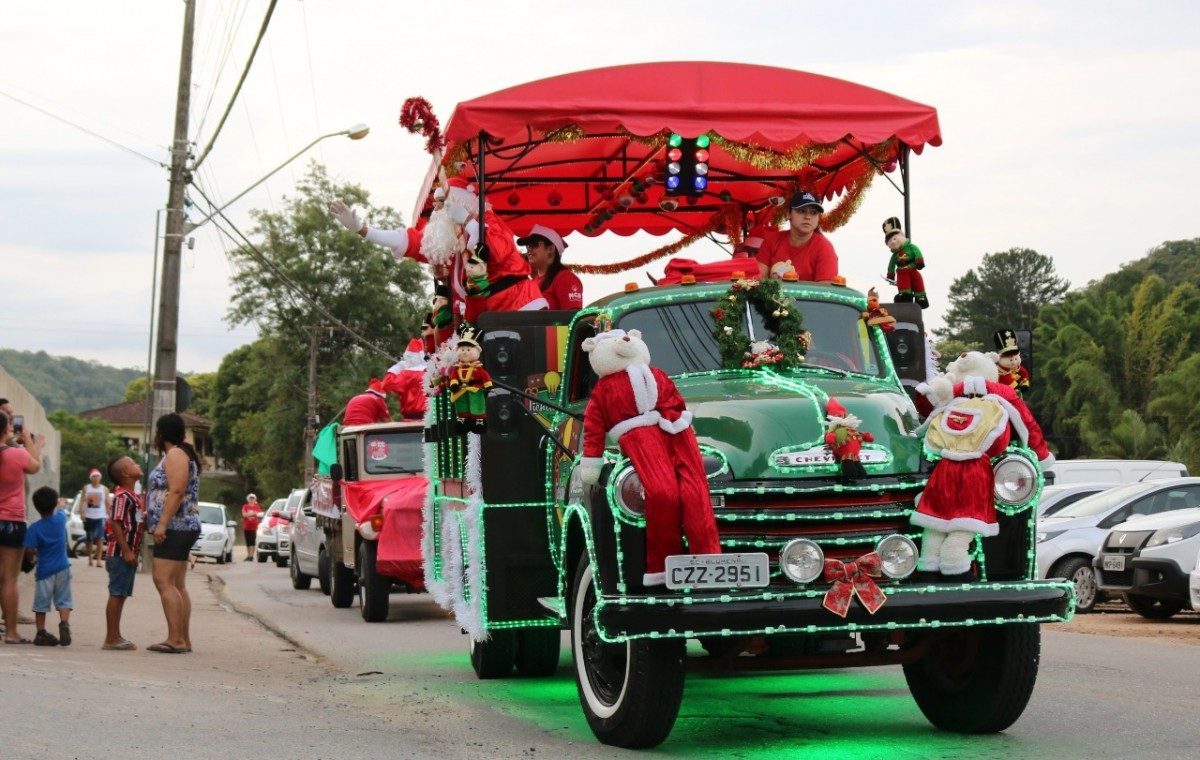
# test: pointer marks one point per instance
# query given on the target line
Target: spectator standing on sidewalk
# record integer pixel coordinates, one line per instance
(47, 538)
(128, 526)
(173, 518)
(251, 515)
(15, 463)
(95, 497)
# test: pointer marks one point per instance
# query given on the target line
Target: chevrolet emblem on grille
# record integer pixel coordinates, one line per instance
(1121, 538)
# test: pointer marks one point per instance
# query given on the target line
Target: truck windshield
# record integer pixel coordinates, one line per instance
(680, 336)
(387, 453)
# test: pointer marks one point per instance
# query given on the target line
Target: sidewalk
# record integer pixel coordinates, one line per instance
(231, 697)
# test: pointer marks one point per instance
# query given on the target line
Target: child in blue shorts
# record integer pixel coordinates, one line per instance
(128, 527)
(47, 538)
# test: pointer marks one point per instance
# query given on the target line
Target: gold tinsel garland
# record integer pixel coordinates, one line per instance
(768, 158)
(646, 258)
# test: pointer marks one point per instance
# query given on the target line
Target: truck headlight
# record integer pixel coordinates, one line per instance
(629, 493)
(899, 555)
(1171, 535)
(1015, 480)
(802, 560)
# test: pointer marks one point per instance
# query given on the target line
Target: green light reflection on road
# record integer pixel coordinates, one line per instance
(859, 713)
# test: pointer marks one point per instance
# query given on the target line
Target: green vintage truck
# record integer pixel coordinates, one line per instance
(520, 549)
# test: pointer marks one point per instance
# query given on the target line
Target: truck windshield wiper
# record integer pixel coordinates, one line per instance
(834, 370)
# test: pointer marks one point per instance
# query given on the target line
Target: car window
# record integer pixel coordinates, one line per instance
(1104, 501)
(394, 452)
(211, 514)
(680, 336)
(1067, 501)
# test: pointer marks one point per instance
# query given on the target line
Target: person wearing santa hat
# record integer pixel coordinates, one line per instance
(406, 378)
(368, 407)
(543, 250)
(95, 499)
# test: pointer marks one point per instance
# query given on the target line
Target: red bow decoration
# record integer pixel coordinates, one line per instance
(849, 578)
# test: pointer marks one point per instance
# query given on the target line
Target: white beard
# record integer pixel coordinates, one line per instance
(440, 240)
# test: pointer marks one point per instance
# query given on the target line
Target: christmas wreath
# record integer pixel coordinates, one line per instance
(780, 317)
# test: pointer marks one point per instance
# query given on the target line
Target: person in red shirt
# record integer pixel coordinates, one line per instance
(803, 249)
(368, 406)
(560, 286)
(252, 513)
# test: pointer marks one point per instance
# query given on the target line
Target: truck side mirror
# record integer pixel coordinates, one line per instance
(335, 471)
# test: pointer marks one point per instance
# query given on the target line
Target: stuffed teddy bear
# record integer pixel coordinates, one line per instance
(641, 408)
(976, 423)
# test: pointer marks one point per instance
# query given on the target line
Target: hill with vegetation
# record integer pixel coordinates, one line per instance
(64, 383)
(1116, 361)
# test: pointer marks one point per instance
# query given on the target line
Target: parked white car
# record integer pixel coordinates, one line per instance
(1113, 471)
(1150, 560)
(1067, 541)
(1057, 498)
(217, 533)
(309, 557)
(272, 541)
(1194, 584)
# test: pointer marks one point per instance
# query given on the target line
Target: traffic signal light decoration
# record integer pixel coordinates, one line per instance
(687, 165)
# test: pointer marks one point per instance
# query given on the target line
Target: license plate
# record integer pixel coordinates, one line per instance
(749, 570)
(1114, 562)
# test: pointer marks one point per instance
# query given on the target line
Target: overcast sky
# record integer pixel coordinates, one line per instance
(1071, 128)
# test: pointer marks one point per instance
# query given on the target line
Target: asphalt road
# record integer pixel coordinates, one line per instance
(1097, 696)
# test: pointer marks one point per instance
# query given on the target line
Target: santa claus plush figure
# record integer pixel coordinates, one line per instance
(976, 422)
(367, 407)
(844, 439)
(406, 378)
(641, 408)
(1008, 360)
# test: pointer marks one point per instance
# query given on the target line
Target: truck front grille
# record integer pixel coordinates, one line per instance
(844, 525)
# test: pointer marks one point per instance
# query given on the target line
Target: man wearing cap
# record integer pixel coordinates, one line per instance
(368, 406)
(804, 249)
(560, 286)
(95, 497)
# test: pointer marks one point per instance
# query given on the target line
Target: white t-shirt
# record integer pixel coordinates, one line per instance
(94, 499)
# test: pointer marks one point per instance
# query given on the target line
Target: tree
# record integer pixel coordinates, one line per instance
(200, 383)
(1008, 289)
(86, 443)
(259, 395)
(357, 282)
(1131, 438)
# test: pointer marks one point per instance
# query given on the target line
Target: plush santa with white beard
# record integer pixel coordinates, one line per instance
(406, 378)
(641, 408)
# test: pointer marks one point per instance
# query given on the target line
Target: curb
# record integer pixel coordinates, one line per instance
(217, 585)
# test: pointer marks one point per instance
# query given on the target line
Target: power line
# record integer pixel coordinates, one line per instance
(289, 283)
(82, 128)
(312, 77)
(232, 25)
(241, 80)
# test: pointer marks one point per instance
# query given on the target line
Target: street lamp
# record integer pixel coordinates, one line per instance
(356, 132)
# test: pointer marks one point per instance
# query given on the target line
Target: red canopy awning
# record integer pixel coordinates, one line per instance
(584, 152)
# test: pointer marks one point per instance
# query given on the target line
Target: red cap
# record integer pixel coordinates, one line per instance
(834, 409)
(376, 385)
(415, 346)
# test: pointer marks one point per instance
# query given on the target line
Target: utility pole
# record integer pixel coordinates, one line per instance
(310, 420)
(168, 305)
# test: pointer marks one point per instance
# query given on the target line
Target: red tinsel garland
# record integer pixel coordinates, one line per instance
(416, 115)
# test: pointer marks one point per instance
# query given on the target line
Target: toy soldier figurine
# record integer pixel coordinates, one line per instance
(1008, 362)
(469, 383)
(905, 265)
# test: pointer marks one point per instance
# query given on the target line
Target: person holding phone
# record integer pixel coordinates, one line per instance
(15, 463)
